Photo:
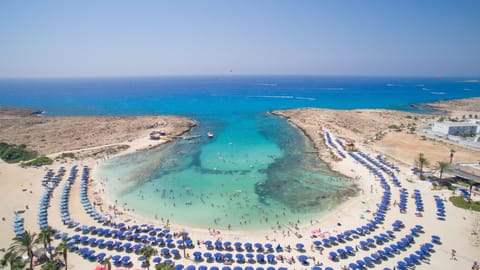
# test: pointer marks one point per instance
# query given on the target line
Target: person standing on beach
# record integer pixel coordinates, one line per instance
(454, 255)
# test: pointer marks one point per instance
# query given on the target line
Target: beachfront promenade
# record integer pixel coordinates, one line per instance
(404, 229)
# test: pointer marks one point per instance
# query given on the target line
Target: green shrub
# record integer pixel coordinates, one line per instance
(40, 161)
(12, 153)
(68, 155)
(459, 201)
(393, 127)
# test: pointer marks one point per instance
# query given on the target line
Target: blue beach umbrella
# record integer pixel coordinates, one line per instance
(157, 260)
(353, 266)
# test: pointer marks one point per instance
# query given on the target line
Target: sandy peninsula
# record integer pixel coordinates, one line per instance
(396, 135)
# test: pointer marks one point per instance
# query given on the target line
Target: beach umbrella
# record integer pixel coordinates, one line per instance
(259, 268)
(190, 267)
(260, 257)
(157, 260)
(227, 243)
(175, 251)
(317, 243)
(248, 268)
(226, 268)
(268, 245)
(375, 256)
(360, 263)
(164, 251)
(247, 245)
(258, 245)
(208, 243)
(207, 255)
(116, 257)
(333, 254)
(179, 267)
(228, 255)
(237, 245)
(168, 262)
(353, 266)
(202, 267)
(142, 258)
(367, 260)
(213, 268)
(316, 268)
(302, 258)
(249, 255)
(197, 254)
(239, 256)
(237, 268)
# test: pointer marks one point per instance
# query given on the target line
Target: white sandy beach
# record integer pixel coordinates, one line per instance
(22, 190)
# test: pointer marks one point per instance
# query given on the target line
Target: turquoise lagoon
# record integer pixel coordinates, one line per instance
(257, 172)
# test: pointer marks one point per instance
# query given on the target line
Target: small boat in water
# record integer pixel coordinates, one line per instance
(210, 135)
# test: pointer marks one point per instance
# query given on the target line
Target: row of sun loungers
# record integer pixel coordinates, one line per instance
(121, 237)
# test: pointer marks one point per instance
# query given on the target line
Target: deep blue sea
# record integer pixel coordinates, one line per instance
(255, 172)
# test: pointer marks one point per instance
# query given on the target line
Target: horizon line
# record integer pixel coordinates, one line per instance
(470, 77)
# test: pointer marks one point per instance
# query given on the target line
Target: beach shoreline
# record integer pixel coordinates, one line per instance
(355, 210)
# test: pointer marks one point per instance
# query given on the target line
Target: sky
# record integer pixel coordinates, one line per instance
(115, 38)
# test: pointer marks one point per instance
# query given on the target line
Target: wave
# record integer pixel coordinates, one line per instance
(392, 84)
(437, 93)
(332, 88)
(305, 98)
(426, 89)
(267, 84)
(282, 97)
(467, 89)
(420, 85)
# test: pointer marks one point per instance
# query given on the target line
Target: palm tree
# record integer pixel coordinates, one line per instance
(452, 151)
(62, 248)
(13, 260)
(470, 187)
(24, 244)
(184, 237)
(148, 252)
(422, 161)
(106, 261)
(45, 238)
(442, 166)
(164, 266)
(51, 265)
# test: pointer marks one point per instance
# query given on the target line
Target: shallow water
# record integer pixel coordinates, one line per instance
(256, 179)
(256, 168)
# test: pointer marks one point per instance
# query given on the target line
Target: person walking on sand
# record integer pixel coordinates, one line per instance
(475, 266)
(454, 255)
